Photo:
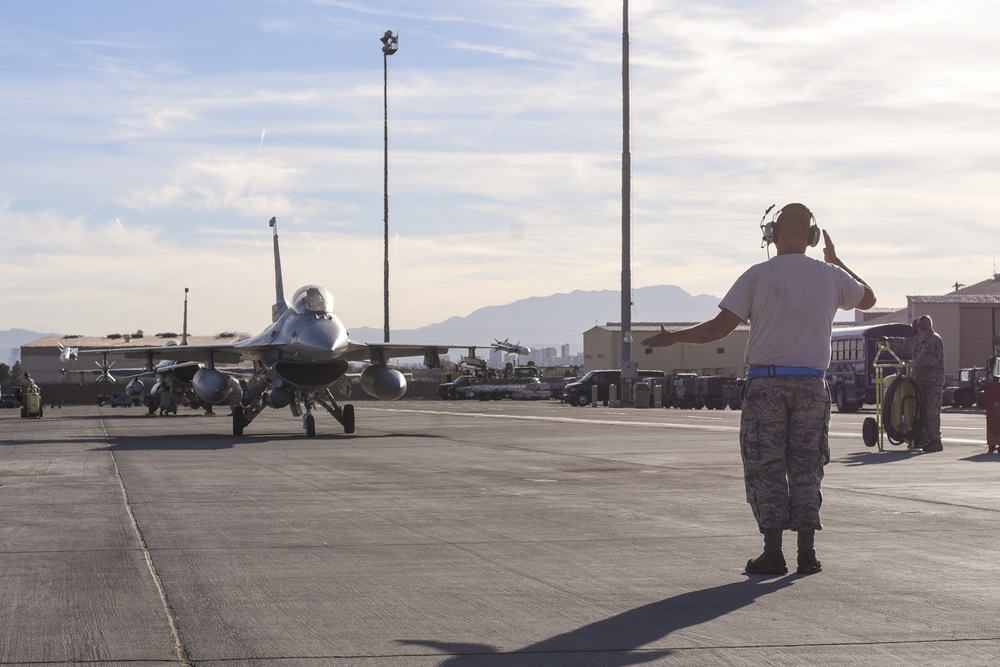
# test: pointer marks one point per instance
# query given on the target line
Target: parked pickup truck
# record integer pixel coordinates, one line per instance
(580, 393)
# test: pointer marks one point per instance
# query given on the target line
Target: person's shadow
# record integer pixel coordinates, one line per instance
(617, 640)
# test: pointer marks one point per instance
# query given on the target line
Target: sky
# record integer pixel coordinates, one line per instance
(145, 146)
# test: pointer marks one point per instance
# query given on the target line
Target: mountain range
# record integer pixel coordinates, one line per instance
(13, 339)
(558, 319)
(542, 321)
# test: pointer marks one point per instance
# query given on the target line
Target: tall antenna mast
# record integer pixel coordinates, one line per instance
(184, 332)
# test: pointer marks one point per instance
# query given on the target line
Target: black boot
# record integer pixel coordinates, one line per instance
(772, 561)
(807, 561)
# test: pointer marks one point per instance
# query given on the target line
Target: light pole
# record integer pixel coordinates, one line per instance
(628, 366)
(390, 44)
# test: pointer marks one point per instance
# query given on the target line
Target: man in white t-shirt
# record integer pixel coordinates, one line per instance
(790, 302)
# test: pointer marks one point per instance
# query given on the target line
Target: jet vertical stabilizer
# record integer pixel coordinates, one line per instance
(280, 305)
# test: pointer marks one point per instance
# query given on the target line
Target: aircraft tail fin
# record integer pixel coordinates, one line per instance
(280, 305)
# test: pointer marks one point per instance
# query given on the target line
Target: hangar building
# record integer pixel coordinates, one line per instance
(968, 320)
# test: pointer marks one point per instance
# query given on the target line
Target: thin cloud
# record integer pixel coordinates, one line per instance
(514, 54)
(501, 117)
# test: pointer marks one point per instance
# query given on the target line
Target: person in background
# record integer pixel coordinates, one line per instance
(926, 368)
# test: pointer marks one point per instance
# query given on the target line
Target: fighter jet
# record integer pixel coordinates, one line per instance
(172, 380)
(176, 379)
(297, 359)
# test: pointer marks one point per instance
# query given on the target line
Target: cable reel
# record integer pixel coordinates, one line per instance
(903, 411)
(899, 403)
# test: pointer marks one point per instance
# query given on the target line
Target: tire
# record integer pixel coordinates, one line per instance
(903, 411)
(582, 401)
(237, 420)
(348, 419)
(842, 404)
(869, 432)
(964, 398)
(310, 426)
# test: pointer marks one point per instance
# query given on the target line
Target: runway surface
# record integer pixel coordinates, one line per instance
(478, 535)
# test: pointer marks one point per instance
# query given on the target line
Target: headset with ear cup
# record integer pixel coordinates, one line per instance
(769, 229)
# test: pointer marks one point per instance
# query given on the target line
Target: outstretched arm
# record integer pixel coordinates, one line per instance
(718, 327)
(830, 255)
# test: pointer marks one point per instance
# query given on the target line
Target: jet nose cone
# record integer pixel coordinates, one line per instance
(320, 338)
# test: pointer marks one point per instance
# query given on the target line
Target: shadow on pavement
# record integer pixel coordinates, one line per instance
(223, 441)
(619, 640)
(983, 456)
(874, 456)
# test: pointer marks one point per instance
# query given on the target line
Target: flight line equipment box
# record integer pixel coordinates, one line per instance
(993, 416)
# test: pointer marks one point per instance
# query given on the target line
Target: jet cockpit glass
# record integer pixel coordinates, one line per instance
(312, 300)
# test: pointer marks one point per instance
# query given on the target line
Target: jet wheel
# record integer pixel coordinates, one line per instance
(348, 420)
(238, 420)
(310, 426)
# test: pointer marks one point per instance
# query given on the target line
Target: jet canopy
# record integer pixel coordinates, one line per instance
(312, 300)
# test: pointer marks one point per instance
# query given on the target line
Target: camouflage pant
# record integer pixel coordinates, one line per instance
(784, 442)
(931, 388)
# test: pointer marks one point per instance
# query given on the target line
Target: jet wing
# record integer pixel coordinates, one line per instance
(222, 354)
(375, 353)
(378, 353)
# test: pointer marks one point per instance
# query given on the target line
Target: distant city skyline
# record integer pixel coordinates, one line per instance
(146, 147)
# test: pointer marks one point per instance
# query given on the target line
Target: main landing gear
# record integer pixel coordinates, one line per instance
(344, 415)
(244, 414)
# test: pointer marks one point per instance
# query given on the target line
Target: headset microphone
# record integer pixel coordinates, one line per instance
(767, 229)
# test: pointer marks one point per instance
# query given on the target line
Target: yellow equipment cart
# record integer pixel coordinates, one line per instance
(898, 404)
(31, 402)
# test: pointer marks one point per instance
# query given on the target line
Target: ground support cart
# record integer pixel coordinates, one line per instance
(31, 407)
(898, 405)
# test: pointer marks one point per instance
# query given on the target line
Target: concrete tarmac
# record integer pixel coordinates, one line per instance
(478, 535)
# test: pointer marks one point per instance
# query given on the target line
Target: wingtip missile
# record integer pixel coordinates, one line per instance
(511, 348)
